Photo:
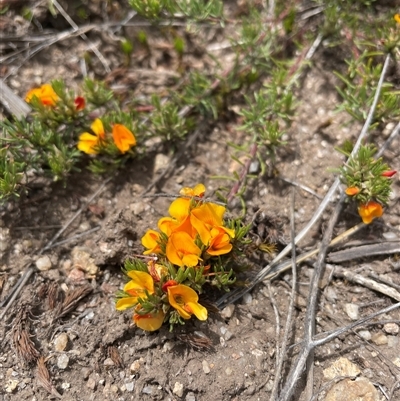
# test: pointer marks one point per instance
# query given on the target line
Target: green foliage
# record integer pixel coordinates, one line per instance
(364, 172)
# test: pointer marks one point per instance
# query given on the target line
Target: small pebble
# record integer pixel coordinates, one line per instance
(66, 386)
(391, 328)
(130, 386)
(393, 341)
(43, 263)
(228, 371)
(365, 334)
(135, 366)
(190, 396)
(161, 162)
(62, 361)
(227, 312)
(108, 362)
(11, 385)
(60, 343)
(168, 346)
(389, 235)
(137, 208)
(206, 367)
(247, 299)
(178, 389)
(147, 390)
(352, 311)
(379, 338)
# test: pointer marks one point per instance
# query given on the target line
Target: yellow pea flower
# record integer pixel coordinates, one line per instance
(123, 137)
(149, 321)
(88, 142)
(45, 94)
(369, 211)
(151, 241)
(141, 284)
(181, 249)
(185, 300)
(198, 190)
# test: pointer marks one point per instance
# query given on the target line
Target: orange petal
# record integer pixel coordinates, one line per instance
(123, 138)
(370, 211)
(150, 321)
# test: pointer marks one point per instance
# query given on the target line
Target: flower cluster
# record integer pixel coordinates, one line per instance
(46, 99)
(368, 183)
(192, 247)
(90, 143)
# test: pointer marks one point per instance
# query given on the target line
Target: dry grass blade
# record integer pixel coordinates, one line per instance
(115, 356)
(71, 301)
(43, 378)
(52, 296)
(24, 346)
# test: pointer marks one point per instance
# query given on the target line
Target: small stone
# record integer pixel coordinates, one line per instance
(147, 390)
(108, 362)
(11, 385)
(393, 341)
(168, 346)
(247, 299)
(62, 361)
(391, 328)
(330, 294)
(178, 389)
(114, 389)
(137, 208)
(228, 371)
(5, 239)
(206, 367)
(190, 396)
(227, 312)
(66, 386)
(130, 386)
(135, 366)
(341, 367)
(85, 372)
(353, 390)
(390, 236)
(43, 263)
(352, 311)
(379, 338)
(161, 162)
(61, 342)
(365, 334)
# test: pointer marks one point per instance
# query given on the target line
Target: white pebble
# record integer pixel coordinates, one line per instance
(352, 311)
(206, 367)
(391, 328)
(365, 334)
(227, 312)
(130, 386)
(247, 299)
(62, 361)
(43, 263)
(178, 389)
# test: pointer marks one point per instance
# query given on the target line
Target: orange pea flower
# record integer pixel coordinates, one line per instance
(141, 284)
(181, 249)
(149, 321)
(88, 142)
(185, 300)
(369, 211)
(151, 241)
(79, 103)
(351, 191)
(123, 137)
(45, 94)
(396, 17)
(220, 243)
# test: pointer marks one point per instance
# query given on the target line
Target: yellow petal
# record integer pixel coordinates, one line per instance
(125, 303)
(140, 280)
(185, 300)
(198, 191)
(150, 321)
(87, 143)
(179, 208)
(150, 241)
(198, 310)
(98, 128)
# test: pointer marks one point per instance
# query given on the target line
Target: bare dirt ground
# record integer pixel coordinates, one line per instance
(95, 352)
